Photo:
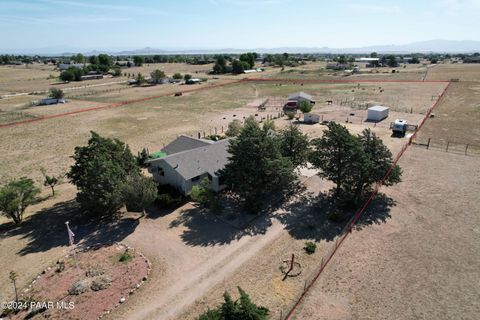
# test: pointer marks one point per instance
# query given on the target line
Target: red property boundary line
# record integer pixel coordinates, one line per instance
(360, 212)
(114, 105)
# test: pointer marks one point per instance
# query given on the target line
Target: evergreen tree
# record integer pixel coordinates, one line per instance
(256, 167)
(334, 154)
(99, 172)
(294, 145)
(241, 309)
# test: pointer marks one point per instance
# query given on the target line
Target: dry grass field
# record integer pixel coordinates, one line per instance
(423, 263)
(415, 255)
(49, 143)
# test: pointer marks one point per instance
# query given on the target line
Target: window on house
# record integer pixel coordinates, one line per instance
(195, 179)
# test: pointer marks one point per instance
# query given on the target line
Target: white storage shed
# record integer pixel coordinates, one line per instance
(377, 113)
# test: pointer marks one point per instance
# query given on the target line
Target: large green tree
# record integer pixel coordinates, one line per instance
(138, 60)
(353, 163)
(335, 154)
(248, 58)
(294, 145)
(374, 162)
(157, 75)
(56, 93)
(241, 309)
(16, 196)
(256, 168)
(100, 170)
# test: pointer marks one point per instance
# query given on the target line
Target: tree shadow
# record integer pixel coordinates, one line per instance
(309, 217)
(46, 229)
(204, 228)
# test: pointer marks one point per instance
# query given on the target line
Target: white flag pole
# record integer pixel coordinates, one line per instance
(71, 240)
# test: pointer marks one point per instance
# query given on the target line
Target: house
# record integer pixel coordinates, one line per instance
(195, 161)
(367, 60)
(471, 59)
(65, 66)
(91, 77)
(193, 81)
(301, 97)
(49, 101)
(184, 143)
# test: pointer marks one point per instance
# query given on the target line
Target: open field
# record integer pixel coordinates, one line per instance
(423, 263)
(155, 122)
(456, 119)
(413, 246)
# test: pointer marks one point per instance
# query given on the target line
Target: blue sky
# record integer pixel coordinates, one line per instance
(174, 24)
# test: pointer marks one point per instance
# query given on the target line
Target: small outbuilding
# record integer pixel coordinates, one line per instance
(377, 113)
(311, 118)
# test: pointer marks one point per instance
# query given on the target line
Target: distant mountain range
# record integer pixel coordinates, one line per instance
(436, 46)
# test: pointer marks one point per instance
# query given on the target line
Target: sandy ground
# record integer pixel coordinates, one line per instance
(424, 262)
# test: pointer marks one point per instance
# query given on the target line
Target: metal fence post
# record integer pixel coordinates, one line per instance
(448, 143)
(428, 143)
(466, 148)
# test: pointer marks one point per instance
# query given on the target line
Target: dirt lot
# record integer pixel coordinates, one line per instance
(423, 263)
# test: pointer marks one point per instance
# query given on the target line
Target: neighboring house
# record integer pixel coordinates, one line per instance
(472, 59)
(65, 66)
(301, 97)
(189, 161)
(48, 101)
(367, 60)
(91, 77)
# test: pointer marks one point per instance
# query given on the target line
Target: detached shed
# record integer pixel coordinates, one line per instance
(377, 113)
(311, 118)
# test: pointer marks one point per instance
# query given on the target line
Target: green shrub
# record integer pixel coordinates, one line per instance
(310, 247)
(125, 256)
(290, 115)
(240, 309)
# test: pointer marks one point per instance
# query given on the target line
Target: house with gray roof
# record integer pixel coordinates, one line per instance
(184, 143)
(187, 163)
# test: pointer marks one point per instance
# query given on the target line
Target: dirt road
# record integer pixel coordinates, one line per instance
(193, 278)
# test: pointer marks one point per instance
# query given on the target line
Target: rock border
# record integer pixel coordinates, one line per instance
(94, 247)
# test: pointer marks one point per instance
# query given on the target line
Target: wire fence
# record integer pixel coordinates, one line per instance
(451, 146)
(312, 278)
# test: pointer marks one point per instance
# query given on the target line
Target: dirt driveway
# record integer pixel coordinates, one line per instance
(191, 253)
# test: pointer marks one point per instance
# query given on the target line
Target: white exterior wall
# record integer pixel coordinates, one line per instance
(173, 178)
(377, 115)
(170, 177)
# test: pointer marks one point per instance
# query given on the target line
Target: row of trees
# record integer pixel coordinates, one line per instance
(263, 161)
